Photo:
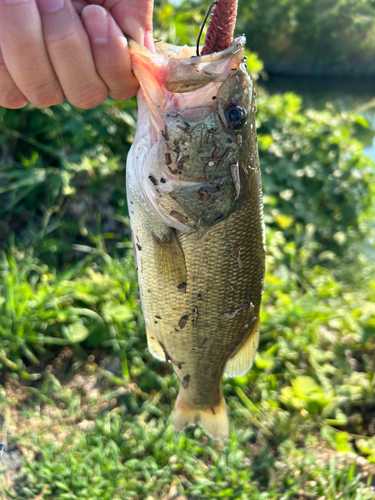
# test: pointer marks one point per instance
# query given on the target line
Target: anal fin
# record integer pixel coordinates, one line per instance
(242, 361)
(154, 347)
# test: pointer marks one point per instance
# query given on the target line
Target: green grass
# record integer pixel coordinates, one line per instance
(94, 417)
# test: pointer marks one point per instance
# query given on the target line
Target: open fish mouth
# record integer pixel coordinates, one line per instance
(186, 72)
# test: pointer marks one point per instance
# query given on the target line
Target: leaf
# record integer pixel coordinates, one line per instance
(304, 386)
(118, 312)
(284, 221)
(342, 442)
(77, 332)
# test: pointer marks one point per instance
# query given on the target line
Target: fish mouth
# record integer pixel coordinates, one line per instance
(184, 71)
(185, 53)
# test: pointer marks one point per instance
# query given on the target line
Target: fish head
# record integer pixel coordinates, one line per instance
(195, 114)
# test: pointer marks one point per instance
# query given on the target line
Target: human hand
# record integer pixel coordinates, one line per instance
(48, 52)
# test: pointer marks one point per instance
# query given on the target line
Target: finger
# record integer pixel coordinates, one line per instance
(134, 17)
(111, 52)
(25, 54)
(70, 53)
(10, 96)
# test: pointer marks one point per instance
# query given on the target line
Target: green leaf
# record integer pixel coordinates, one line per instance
(77, 332)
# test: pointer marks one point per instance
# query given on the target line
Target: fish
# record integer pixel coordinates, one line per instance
(196, 213)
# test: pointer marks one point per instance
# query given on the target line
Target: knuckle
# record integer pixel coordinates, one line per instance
(44, 96)
(71, 39)
(89, 100)
(122, 96)
(12, 98)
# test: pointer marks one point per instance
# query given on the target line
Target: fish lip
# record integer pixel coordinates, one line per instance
(169, 50)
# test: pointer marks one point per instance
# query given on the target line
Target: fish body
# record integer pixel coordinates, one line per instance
(195, 205)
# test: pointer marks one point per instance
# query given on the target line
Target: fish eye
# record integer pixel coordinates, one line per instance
(235, 115)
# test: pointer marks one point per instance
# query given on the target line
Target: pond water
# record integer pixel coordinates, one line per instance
(344, 95)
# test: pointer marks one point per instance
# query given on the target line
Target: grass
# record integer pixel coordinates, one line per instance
(92, 413)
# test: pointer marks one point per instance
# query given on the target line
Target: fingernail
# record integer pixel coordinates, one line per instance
(96, 23)
(49, 5)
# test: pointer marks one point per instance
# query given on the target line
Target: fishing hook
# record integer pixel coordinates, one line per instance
(204, 22)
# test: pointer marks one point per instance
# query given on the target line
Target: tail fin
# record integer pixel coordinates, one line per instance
(213, 420)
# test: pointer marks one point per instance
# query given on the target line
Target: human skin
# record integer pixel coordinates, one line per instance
(56, 49)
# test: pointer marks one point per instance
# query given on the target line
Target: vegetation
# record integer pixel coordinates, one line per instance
(80, 395)
(312, 37)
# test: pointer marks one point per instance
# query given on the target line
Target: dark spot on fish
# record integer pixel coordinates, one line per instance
(162, 180)
(149, 291)
(213, 411)
(227, 153)
(176, 330)
(237, 254)
(214, 97)
(165, 134)
(249, 303)
(168, 158)
(139, 247)
(153, 180)
(183, 321)
(200, 296)
(202, 344)
(240, 308)
(195, 319)
(203, 195)
(156, 316)
(169, 358)
(131, 202)
(179, 216)
(216, 152)
(156, 322)
(182, 287)
(185, 381)
(181, 162)
(185, 129)
(187, 124)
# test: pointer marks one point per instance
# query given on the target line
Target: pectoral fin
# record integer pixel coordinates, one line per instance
(242, 361)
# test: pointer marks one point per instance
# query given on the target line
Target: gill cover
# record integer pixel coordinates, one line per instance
(174, 83)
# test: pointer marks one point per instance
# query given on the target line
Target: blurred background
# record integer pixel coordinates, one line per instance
(85, 412)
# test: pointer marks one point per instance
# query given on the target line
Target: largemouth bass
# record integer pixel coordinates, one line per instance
(195, 205)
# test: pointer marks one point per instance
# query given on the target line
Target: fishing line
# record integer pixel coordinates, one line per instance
(204, 22)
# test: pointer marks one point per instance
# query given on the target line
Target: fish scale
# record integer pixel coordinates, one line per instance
(197, 224)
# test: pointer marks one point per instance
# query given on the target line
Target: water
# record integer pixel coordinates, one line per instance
(344, 95)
